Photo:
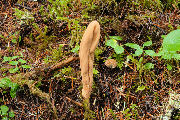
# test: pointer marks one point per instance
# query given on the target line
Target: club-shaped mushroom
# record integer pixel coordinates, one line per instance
(88, 45)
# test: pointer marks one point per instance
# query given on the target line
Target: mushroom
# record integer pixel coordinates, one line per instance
(88, 45)
(111, 63)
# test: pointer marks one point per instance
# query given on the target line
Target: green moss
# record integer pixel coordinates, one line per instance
(88, 114)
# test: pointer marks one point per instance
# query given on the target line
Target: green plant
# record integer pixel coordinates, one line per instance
(42, 36)
(97, 52)
(171, 45)
(113, 114)
(168, 4)
(170, 48)
(113, 43)
(95, 72)
(141, 88)
(60, 11)
(24, 16)
(6, 83)
(131, 112)
(76, 49)
(57, 53)
(66, 72)
(120, 60)
(139, 51)
(4, 112)
(16, 62)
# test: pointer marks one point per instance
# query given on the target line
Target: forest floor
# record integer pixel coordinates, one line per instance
(38, 40)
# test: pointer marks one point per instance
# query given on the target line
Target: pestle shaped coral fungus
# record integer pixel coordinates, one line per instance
(88, 45)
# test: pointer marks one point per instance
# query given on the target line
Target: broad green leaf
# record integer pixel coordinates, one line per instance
(126, 111)
(14, 57)
(13, 70)
(168, 55)
(176, 56)
(160, 53)
(141, 88)
(6, 59)
(138, 52)
(11, 114)
(112, 43)
(76, 49)
(4, 109)
(14, 40)
(1, 36)
(13, 90)
(21, 54)
(22, 61)
(128, 115)
(119, 49)
(163, 36)
(169, 67)
(133, 45)
(115, 37)
(5, 82)
(140, 60)
(13, 94)
(148, 66)
(13, 62)
(26, 66)
(95, 72)
(172, 41)
(4, 118)
(148, 43)
(150, 53)
(14, 86)
(4, 92)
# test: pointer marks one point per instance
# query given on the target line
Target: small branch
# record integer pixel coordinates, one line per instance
(73, 101)
(59, 65)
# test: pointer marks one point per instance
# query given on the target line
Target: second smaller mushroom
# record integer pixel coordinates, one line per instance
(111, 63)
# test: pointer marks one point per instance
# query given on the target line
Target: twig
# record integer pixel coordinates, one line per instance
(73, 101)
(59, 65)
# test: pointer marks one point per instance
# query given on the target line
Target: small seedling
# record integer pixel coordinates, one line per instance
(113, 43)
(17, 62)
(4, 112)
(6, 83)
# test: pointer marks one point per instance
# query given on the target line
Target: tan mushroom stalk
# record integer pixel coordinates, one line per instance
(88, 45)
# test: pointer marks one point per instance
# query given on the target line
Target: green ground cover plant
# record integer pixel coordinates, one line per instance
(6, 83)
(5, 114)
(17, 62)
